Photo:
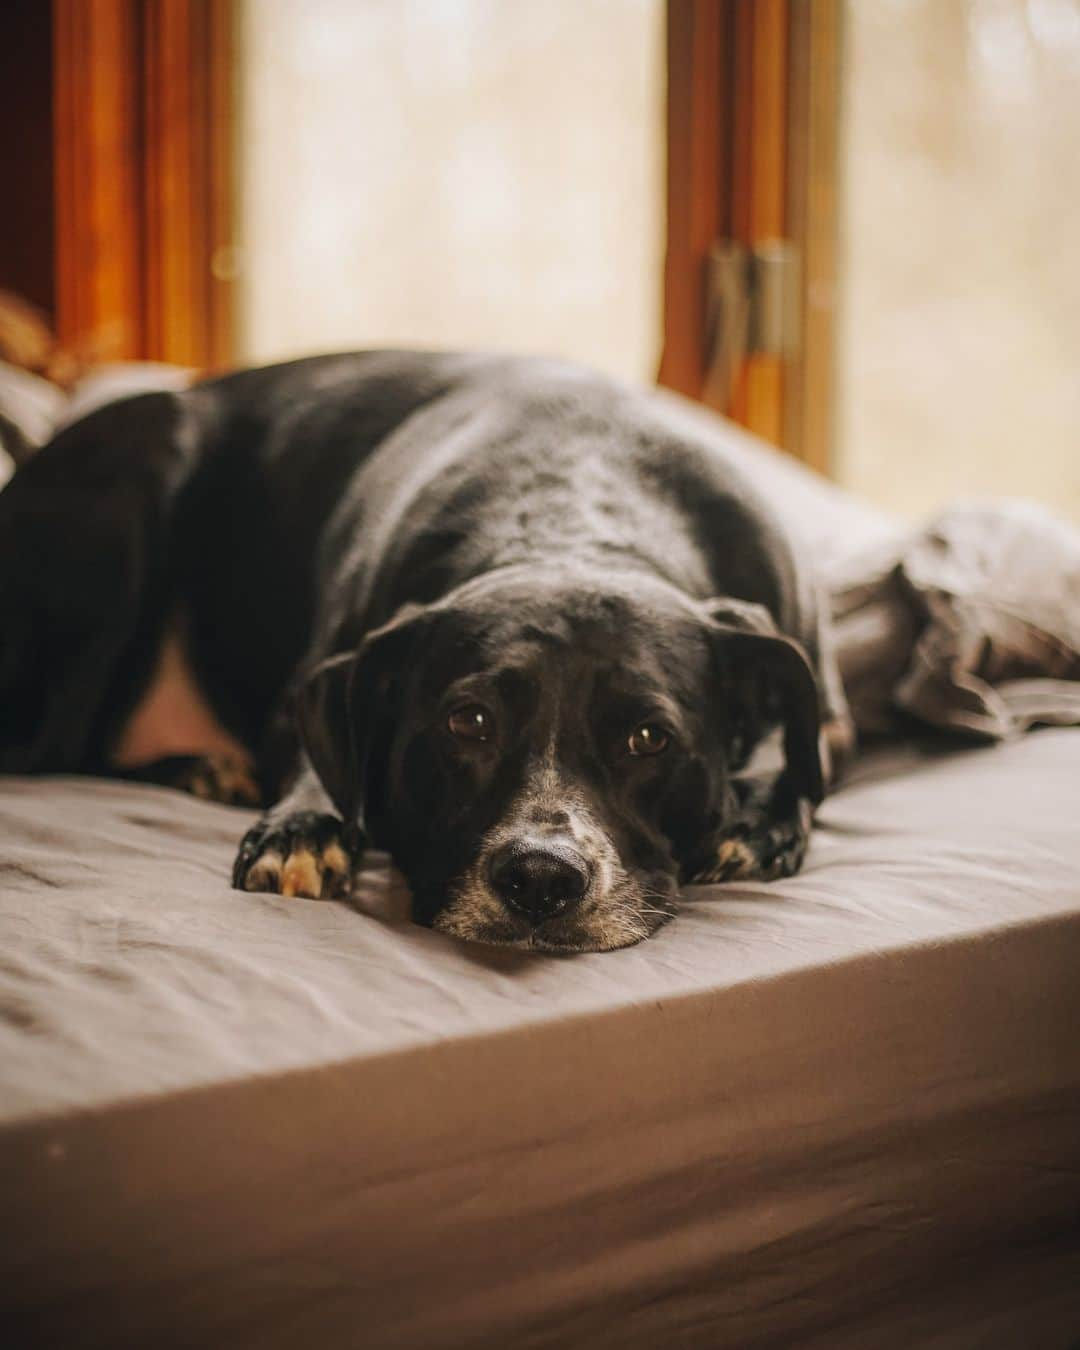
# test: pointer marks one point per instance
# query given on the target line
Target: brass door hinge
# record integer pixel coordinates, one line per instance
(752, 308)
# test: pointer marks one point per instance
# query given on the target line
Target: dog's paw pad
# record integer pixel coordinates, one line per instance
(301, 855)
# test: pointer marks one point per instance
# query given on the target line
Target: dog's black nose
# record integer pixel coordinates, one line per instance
(538, 882)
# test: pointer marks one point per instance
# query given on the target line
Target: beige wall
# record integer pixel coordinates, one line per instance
(466, 173)
(959, 351)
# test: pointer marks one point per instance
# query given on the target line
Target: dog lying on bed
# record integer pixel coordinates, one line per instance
(516, 624)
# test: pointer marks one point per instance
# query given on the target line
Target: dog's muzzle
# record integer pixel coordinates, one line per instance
(538, 880)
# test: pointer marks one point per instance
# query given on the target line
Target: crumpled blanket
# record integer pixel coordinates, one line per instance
(970, 625)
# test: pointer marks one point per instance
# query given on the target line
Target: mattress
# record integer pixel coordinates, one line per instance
(840, 1110)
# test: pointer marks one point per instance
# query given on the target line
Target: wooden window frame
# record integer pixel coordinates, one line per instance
(143, 179)
(753, 88)
(144, 187)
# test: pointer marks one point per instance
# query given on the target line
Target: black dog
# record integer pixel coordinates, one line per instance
(513, 622)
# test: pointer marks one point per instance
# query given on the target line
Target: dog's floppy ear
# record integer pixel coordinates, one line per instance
(747, 643)
(346, 702)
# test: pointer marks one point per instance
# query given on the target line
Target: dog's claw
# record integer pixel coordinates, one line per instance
(300, 855)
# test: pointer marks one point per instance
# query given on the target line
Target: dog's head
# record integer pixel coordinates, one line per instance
(546, 760)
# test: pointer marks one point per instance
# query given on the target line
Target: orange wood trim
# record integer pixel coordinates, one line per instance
(188, 198)
(813, 173)
(697, 174)
(144, 178)
(751, 156)
(759, 404)
(222, 160)
(97, 178)
(727, 119)
(175, 252)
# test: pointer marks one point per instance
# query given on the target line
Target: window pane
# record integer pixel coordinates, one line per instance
(959, 343)
(454, 173)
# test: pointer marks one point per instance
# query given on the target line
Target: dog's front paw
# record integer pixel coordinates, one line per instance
(763, 849)
(302, 854)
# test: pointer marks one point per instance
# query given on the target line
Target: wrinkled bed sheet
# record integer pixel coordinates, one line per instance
(842, 1110)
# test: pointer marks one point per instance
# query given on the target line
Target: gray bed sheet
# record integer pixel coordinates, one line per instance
(842, 1110)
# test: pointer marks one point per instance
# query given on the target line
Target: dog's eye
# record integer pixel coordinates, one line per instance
(648, 739)
(471, 722)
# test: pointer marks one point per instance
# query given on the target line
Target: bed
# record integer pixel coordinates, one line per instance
(841, 1110)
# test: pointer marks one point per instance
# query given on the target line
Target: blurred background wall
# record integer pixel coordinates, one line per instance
(463, 173)
(959, 333)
